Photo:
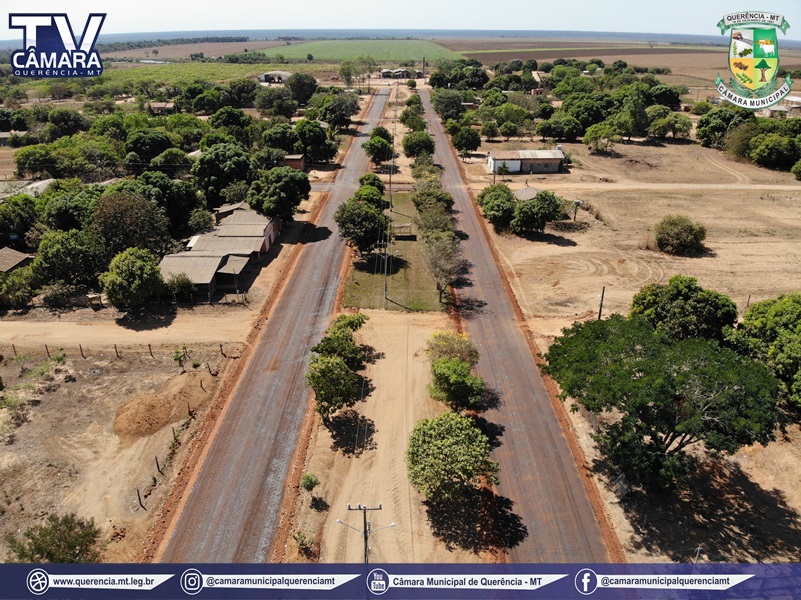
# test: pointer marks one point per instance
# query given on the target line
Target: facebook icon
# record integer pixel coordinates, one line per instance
(586, 581)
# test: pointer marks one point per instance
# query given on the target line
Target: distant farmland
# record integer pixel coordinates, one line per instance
(386, 50)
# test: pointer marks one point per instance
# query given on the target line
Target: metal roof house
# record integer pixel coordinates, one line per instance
(527, 161)
(217, 259)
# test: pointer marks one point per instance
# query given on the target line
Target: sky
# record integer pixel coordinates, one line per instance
(676, 16)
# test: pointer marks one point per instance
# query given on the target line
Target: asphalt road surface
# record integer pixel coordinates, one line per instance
(538, 471)
(231, 514)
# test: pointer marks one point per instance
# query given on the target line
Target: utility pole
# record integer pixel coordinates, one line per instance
(367, 529)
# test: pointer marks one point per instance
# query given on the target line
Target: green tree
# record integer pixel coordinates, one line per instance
(361, 224)
(148, 143)
(454, 385)
(771, 333)
(339, 342)
(314, 142)
(66, 539)
(466, 139)
(309, 481)
(335, 385)
(372, 180)
(681, 309)
(532, 215)
(774, 151)
(71, 256)
(219, 167)
(664, 397)
(447, 103)
(489, 129)
(279, 192)
(371, 195)
(378, 150)
(601, 136)
(276, 101)
(303, 87)
(17, 216)
(715, 125)
(417, 143)
(132, 279)
(677, 234)
(498, 204)
(282, 136)
(796, 170)
(228, 116)
(128, 220)
(447, 455)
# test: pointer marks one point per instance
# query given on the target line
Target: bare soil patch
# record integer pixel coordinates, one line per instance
(361, 458)
(86, 434)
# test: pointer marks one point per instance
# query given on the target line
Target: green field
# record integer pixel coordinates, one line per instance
(410, 285)
(216, 72)
(381, 50)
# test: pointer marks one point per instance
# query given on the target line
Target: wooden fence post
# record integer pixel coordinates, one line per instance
(81, 349)
(139, 496)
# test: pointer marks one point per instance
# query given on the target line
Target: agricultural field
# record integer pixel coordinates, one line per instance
(212, 71)
(381, 50)
(178, 51)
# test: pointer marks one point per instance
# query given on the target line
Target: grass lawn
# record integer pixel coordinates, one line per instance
(410, 284)
(380, 50)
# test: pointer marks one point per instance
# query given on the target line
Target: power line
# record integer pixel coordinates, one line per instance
(367, 528)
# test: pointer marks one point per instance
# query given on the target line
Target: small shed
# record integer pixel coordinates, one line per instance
(296, 161)
(527, 161)
(10, 259)
(275, 76)
(199, 267)
(162, 108)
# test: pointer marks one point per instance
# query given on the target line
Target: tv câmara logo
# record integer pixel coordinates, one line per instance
(50, 48)
(753, 60)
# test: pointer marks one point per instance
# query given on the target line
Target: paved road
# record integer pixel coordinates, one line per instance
(232, 510)
(538, 472)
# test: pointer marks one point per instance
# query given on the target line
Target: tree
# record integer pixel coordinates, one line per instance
(796, 170)
(601, 136)
(771, 333)
(132, 279)
(449, 344)
(447, 455)
(383, 133)
(714, 126)
(71, 256)
(661, 398)
(447, 103)
(454, 385)
(774, 151)
(466, 139)
(148, 143)
(335, 385)
(489, 129)
(361, 224)
(417, 143)
(763, 66)
(371, 195)
(677, 234)
(276, 101)
(219, 167)
(309, 481)
(378, 150)
(228, 116)
(17, 216)
(498, 204)
(279, 192)
(314, 142)
(65, 539)
(339, 342)
(532, 215)
(682, 309)
(303, 87)
(128, 220)
(508, 129)
(372, 180)
(444, 257)
(282, 136)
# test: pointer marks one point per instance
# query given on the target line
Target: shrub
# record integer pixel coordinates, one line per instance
(449, 344)
(454, 385)
(677, 234)
(796, 170)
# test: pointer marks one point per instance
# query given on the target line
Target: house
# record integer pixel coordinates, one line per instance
(10, 259)
(296, 161)
(162, 108)
(216, 260)
(527, 161)
(275, 77)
